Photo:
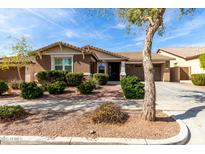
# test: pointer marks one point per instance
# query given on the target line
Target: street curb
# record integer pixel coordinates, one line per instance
(180, 138)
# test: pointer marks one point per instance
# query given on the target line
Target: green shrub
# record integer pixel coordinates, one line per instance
(74, 79)
(44, 85)
(57, 87)
(109, 113)
(101, 78)
(42, 76)
(132, 87)
(30, 90)
(202, 60)
(15, 84)
(3, 87)
(8, 113)
(50, 76)
(86, 87)
(198, 79)
(93, 82)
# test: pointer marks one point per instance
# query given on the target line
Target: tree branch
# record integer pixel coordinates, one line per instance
(151, 21)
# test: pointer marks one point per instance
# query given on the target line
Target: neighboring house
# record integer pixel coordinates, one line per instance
(89, 60)
(185, 61)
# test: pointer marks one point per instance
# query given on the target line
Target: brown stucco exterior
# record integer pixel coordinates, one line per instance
(82, 65)
(11, 74)
(44, 62)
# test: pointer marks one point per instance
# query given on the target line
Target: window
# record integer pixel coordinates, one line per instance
(58, 64)
(63, 64)
(101, 68)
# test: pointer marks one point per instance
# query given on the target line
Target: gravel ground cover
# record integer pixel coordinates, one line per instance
(109, 91)
(79, 124)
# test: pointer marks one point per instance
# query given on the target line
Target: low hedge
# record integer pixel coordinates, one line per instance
(30, 90)
(202, 60)
(132, 87)
(74, 79)
(86, 87)
(101, 78)
(3, 87)
(109, 113)
(57, 87)
(8, 113)
(198, 79)
(50, 76)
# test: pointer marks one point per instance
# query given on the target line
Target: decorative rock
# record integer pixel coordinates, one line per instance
(92, 132)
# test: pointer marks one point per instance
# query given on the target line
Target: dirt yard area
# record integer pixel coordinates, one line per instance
(72, 123)
(113, 92)
(109, 91)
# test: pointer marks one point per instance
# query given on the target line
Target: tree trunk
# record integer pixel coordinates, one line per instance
(150, 92)
(19, 73)
(149, 111)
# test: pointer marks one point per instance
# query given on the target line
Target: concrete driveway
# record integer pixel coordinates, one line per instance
(185, 102)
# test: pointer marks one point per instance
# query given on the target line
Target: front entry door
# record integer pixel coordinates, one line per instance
(114, 71)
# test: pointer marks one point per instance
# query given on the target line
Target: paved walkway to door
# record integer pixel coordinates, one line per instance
(185, 102)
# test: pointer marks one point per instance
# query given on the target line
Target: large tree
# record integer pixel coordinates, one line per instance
(20, 58)
(153, 20)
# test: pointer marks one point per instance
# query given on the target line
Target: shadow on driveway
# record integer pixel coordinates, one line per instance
(191, 113)
(196, 95)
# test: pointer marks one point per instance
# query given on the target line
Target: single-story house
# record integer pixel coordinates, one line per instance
(89, 60)
(185, 62)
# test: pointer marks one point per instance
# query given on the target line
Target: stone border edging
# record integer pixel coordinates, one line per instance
(180, 138)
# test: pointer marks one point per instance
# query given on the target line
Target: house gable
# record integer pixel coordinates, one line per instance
(103, 54)
(177, 61)
(59, 48)
(186, 53)
(72, 58)
(170, 54)
(61, 51)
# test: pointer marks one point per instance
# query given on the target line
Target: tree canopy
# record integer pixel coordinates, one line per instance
(145, 16)
(20, 57)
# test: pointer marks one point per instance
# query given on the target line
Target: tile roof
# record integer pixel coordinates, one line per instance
(105, 51)
(184, 52)
(58, 43)
(137, 56)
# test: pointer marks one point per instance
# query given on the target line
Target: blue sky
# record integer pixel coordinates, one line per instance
(82, 27)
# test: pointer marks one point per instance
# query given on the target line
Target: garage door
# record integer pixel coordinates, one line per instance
(135, 69)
